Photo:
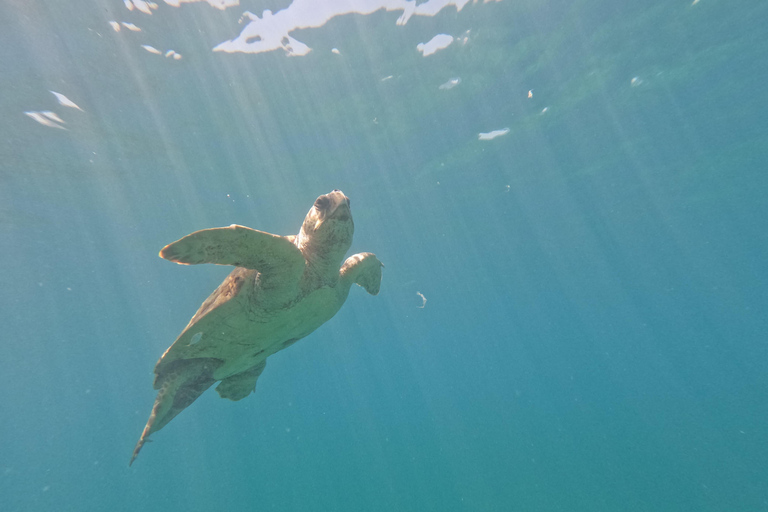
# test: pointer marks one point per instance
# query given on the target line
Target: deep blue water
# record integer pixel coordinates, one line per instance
(594, 336)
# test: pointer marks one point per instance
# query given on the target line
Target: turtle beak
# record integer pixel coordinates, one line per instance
(332, 206)
(337, 208)
(339, 202)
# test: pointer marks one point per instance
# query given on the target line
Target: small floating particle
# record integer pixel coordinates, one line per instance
(128, 5)
(131, 26)
(423, 300)
(196, 338)
(492, 135)
(530, 93)
(636, 81)
(151, 49)
(450, 84)
(386, 78)
(115, 26)
(336, 51)
(63, 100)
(544, 110)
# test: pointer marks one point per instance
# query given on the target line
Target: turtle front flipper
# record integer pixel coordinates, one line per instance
(363, 269)
(242, 384)
(276, 257)
(178, 387)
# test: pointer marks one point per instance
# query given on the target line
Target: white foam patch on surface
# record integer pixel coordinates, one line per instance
(143, 6)
(53, 116)
(140, 5)
(129, 26)
(63, 100)
(439, 42)
(272, 31)
(44, 119)
(219, 4)
(492, 135)
(151, 49)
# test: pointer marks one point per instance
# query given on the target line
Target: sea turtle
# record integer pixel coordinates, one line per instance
(284, 287)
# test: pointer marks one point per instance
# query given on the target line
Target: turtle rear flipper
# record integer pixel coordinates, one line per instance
(242, 384)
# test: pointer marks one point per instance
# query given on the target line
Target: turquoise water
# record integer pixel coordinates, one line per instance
(594, 332)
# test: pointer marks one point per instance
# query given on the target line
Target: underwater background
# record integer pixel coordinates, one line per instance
(569, 200)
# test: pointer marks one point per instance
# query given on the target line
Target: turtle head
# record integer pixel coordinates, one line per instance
(326, 234)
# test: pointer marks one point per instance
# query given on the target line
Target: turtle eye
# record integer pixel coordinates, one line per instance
(322, 203)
